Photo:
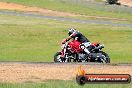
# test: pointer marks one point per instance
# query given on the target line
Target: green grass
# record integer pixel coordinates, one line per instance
(80, 7)
(62, 84)
(37, 40)
(100, 0)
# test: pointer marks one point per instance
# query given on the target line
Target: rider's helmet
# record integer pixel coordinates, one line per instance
(71, 30)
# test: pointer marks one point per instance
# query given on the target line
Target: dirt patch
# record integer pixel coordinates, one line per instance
(21, 73)
(13, 6)
(18, 7)
(126, 2)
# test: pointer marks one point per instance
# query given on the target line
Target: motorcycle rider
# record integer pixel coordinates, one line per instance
(76, 35)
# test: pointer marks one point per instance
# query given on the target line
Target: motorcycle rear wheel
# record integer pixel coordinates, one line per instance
(107, 58)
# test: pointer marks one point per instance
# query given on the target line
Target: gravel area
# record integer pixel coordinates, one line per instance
(40, 72)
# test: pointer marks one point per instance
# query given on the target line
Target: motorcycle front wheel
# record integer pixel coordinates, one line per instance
(57, 57)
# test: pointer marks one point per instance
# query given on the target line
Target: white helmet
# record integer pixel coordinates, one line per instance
(71, 30)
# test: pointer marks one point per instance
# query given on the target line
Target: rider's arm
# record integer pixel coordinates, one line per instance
(67, 39)
(71, 36)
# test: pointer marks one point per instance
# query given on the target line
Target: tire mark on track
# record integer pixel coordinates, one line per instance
(101, 22)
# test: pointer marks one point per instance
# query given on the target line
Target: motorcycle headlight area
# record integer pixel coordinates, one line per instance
(62, 46)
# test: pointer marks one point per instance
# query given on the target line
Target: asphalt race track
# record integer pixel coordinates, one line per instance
(28, 14)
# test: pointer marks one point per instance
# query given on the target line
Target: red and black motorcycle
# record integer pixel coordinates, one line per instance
(71, 52)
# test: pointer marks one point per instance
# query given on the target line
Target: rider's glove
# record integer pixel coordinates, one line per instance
(64, 41)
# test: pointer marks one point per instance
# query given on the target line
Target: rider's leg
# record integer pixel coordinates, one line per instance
(87, 51)
(84, 47)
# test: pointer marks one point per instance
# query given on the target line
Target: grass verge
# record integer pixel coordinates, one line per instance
(62, 84)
